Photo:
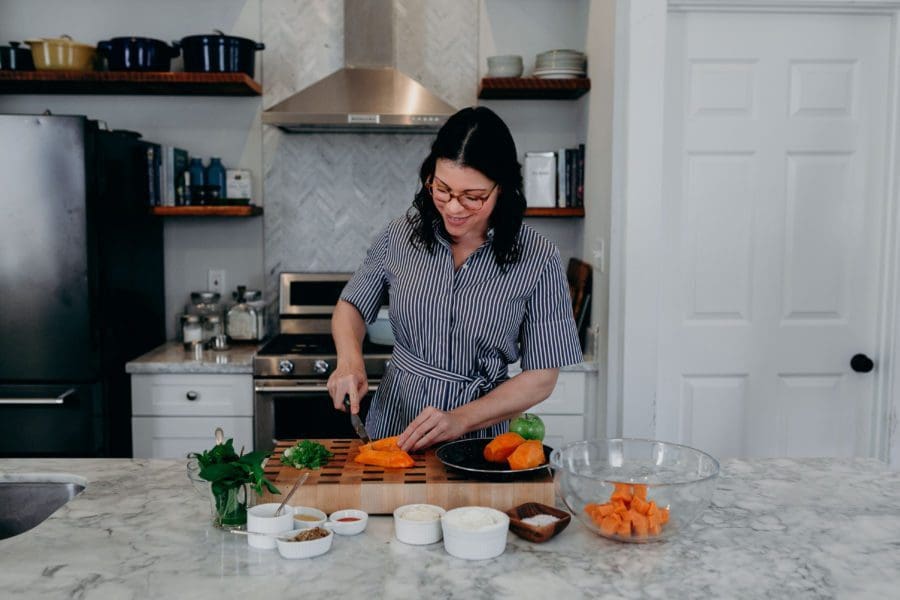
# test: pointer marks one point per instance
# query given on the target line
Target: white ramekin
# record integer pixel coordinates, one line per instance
(308, 510)
(418, 533)
(289, 549)
(262, 519)
(475, 544)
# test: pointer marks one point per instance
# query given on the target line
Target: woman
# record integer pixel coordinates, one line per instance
(471, 289)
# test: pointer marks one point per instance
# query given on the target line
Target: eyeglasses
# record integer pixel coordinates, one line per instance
(473, 202)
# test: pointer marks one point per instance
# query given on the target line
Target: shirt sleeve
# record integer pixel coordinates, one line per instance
(366, 288)
(549, 338)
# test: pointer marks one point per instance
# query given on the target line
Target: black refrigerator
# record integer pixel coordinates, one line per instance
(81, 284)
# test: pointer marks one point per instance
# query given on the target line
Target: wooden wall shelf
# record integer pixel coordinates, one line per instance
(207, 211)
(532, 88)
(554, 212)
(128, 83)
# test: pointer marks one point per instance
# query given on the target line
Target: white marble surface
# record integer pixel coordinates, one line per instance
(776, 529)
(171, 357)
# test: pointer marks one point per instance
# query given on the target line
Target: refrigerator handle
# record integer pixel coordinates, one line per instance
(25, 401)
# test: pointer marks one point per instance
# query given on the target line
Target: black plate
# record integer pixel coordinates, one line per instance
(467, 457)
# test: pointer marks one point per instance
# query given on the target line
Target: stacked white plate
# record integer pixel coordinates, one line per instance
(560, 64)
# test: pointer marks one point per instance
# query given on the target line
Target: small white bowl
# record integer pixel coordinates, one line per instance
(411, 525)
(348, 527)
(308, 511)
(465, 538)
(291, 549)
(261, 519)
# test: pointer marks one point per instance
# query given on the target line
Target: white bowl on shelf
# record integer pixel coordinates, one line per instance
(505, 66)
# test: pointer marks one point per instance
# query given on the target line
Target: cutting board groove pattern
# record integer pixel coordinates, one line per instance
(343, 483)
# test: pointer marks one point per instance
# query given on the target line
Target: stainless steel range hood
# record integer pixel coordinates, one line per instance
(369, 94)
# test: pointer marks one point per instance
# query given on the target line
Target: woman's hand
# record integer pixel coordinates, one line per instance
(430, 427)
(348, 380)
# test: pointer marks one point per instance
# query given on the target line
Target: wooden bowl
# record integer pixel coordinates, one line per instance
(535, 533)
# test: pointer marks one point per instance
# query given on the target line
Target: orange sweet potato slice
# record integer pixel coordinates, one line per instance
(622, 492)
(641, 506)
(640, 490)
(527, 455)
(384, 458)
(640, 526)
(499, 448)
(610, 524)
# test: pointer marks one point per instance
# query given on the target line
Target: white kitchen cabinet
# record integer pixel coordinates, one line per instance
(173, 414)
(564, 412)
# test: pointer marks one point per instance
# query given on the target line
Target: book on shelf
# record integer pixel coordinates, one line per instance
(174, 163)
(570, 177)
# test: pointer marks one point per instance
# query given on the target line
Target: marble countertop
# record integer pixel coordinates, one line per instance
(815, 528)
(171, 357)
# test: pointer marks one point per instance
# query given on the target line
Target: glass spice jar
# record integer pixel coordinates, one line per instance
(191, 331)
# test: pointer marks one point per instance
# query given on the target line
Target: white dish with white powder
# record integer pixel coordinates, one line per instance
(418, 524)
(475, 532)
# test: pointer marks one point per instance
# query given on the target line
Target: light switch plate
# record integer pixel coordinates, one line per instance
(216, 280)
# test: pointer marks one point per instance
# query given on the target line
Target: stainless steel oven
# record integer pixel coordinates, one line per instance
(291, 371)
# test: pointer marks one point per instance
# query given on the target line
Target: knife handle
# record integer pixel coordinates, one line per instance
(347, 402)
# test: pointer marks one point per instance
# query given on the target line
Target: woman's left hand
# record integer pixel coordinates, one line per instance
(430, 427)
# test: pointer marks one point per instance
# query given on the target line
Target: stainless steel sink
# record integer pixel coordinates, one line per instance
(25, 504)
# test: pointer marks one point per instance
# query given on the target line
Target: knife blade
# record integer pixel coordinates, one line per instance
(357, 423)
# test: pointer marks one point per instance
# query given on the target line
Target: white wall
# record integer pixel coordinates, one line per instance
(204, 126)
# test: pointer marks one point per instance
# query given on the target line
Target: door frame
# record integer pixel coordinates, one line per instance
(636, 201)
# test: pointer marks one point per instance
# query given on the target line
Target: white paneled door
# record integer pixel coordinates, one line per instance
(773, 207)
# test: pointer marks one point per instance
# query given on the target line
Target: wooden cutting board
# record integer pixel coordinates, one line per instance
(343, 483)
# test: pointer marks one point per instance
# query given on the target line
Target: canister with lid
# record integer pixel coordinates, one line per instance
(191, 331)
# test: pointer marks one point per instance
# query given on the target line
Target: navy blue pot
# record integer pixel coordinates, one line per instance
(219, 53)
(137, 54)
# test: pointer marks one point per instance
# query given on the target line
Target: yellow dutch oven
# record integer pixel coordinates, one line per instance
(62, 53)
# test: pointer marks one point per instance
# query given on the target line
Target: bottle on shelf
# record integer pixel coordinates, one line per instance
(215, 177)
(195, 179)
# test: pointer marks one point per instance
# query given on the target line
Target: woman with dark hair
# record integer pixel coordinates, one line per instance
(471, 289)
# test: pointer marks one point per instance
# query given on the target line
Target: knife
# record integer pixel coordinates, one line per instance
(357, 423)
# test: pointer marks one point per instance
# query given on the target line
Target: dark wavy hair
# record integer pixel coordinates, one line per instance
(474, 137)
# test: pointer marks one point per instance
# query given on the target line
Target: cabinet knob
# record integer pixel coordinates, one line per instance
(861, 363)
(192, 395)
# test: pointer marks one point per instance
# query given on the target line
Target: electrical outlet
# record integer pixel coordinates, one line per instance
(216, 280)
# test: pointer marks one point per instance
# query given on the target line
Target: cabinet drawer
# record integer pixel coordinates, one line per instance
(567, 397)
(562, 429)
(192, 395)
(175, 437)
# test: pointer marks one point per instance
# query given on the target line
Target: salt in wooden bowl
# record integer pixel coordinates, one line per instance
(537, 533)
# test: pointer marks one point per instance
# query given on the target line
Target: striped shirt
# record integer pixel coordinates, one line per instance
(456, 330)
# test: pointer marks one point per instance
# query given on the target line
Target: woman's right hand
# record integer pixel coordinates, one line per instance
(348, 380)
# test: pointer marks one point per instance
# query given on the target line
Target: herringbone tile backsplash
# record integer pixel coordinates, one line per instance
(328, 195)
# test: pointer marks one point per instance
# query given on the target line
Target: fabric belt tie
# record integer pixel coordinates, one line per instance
(476, 386)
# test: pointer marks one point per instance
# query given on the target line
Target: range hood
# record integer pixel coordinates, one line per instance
(369, 94)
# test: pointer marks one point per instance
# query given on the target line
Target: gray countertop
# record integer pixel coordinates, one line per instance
(171, 357)
(814, 528)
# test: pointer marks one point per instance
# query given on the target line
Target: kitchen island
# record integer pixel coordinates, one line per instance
(812, 528)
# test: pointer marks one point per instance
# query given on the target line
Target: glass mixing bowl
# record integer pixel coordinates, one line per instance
(678, 479)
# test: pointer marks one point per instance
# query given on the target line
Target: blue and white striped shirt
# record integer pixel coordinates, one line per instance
(456, 330)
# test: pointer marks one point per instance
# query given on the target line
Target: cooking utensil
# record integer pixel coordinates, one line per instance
(13, 58)
(297, 484)
(467, 456)
(219, 53)
(357, 423)
(62, 53)
(137, 54)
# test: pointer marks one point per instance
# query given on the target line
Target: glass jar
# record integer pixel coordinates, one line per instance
(212, 327)
(243, 322)
(255, 300)
(191, 331)
(204, 304)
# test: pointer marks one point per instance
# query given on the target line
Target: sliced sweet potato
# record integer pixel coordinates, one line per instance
(500, 448)
(610, 524)
(527, 455)
(642, 506)
(629, 512)
(384, 458)
(622, 492)
(639, 490)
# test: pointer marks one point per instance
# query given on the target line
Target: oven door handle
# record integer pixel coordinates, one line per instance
(300, 388)
(29, 401)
